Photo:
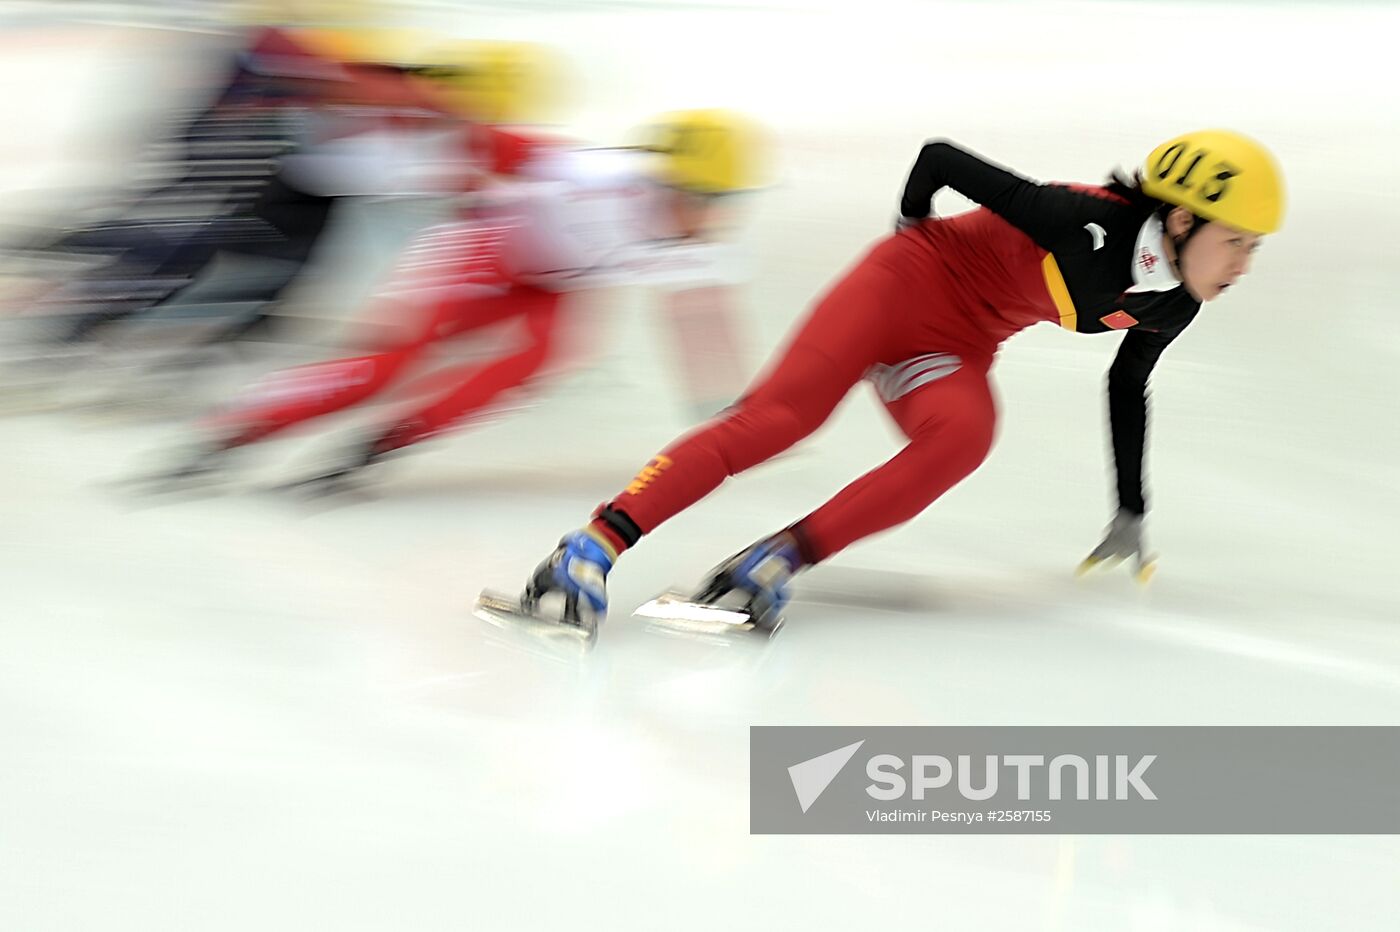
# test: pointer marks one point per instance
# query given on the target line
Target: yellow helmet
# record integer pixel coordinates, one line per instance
(1218, 175)
(366, 46)
(707, 151)
(495, 81)
(329, 13)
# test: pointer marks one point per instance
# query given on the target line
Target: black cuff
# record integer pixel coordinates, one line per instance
(804, 544)
(625, 527)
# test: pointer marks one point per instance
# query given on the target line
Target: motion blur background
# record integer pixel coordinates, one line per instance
(243, 712)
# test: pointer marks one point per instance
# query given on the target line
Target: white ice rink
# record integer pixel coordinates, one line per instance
(241, 713)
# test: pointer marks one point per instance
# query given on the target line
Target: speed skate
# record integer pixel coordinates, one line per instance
(687, 614)
(566, 628)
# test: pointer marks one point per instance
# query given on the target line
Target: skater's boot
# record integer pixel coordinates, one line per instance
(355, 459)
(577, 571)
(198, 466)
(759, 576)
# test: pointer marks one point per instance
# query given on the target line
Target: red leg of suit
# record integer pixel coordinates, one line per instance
(479, 384)
(828, 355)
(896, 307)
(300, 394)
(703, 325)
(448, 281)
(950, 423)
(303, 393)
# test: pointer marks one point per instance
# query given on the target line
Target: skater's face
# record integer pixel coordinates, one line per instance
(1214, 258)
(698, 216)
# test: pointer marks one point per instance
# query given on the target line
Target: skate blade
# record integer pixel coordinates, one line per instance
(675, 613)
(557, 638)
(170, 484)
(320, 488)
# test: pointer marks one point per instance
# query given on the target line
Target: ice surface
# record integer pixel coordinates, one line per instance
(239, 712)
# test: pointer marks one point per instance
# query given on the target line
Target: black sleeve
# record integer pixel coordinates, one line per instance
(1127, 409)
(1052, 215)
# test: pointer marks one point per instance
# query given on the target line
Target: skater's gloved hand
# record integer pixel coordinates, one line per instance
(1122, 541)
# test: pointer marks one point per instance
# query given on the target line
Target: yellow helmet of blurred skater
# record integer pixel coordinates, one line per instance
(320, 13)
(365, 45)
(1218, 175)
(707, 151)
(497, 81)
